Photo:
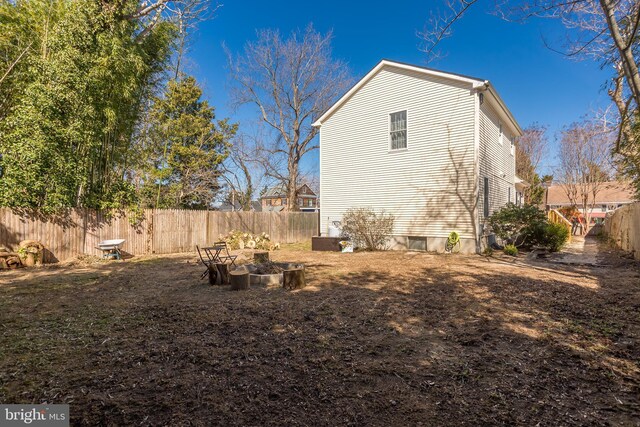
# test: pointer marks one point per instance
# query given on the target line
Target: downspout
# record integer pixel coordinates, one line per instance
(319, 203)
(478, 88)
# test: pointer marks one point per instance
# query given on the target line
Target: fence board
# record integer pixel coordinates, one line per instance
(622, 226)
(78, 231)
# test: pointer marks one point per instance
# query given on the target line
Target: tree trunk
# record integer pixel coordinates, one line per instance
(292, 191)
(616, 94)
(29, 260)
(624, 48)
(239, 280)
(14, 262)
(260, 257)
(223, 270)
(213, 274)
(293, 279)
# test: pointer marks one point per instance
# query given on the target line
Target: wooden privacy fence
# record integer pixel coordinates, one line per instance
(622, 226)
(161, 231)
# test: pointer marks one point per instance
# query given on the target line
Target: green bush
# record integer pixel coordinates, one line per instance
(511, 250)
(521, 226)
(527, 226)
(556, 235)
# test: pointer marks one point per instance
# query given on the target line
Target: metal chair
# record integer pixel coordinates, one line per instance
(221, 257)
(206, 262)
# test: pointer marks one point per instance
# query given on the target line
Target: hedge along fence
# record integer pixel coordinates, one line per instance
(161, 231)
(622, 226)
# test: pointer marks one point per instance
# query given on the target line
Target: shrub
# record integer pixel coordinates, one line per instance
(556, 235)
(521, 226)
(511, 250)
(527, 226)
(366, 228)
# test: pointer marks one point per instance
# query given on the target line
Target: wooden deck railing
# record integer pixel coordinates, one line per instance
(557, 218)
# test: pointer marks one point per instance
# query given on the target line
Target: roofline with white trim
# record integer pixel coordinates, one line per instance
(476, 84)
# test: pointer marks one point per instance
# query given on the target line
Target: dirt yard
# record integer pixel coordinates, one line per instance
(383, 339)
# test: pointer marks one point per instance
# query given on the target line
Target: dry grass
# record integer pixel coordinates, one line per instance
(375, 339)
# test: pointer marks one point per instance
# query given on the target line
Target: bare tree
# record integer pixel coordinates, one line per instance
(585, 164)
(604, 30)
(440, 24)
(530, 148)
(291, 82)
(184, 13)
(243, 171)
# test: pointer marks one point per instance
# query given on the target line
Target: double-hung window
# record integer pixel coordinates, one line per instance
(398, 130)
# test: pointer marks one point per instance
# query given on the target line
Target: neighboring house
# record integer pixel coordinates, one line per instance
(609, 197)
(435, 149)
(275, 199)
(228, 207)
(521, 185)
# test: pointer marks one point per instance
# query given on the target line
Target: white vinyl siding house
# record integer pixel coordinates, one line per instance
(497, 163)
(415, 143)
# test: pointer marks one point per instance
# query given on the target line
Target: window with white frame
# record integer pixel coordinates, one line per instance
(513, 145)
(398, 130)
(500, 133)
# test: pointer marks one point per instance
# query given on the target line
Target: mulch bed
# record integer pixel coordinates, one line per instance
(390, 338)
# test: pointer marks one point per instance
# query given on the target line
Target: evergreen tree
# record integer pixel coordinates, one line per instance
(186, 147)
(66, 134)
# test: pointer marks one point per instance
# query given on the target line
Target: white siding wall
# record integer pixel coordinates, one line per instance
(430, 186)
(495, 161)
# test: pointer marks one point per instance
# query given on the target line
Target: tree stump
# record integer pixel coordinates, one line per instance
(260, 257)
(213, 274)
(293, 279)
(223, 274)
(14, 262)
(239, 280)
(29, 260)
(4, 258)
(34, 252)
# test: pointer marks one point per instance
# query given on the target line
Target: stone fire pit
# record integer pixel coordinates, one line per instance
(269, 273)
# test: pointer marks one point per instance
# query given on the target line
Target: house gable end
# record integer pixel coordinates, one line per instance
(386, 64)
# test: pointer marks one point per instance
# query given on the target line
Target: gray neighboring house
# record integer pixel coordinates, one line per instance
(435, 149)
(227, 207)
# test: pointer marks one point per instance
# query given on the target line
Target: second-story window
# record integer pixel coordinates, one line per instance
(398, 130)
(500, 135)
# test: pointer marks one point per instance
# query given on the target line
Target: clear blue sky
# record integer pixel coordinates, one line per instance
(537, 84)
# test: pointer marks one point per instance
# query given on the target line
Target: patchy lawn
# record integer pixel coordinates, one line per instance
(390, 338)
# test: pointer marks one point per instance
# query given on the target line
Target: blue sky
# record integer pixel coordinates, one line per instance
(537, 84)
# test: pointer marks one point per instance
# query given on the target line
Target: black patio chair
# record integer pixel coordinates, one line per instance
(207, 262)
(222, 253)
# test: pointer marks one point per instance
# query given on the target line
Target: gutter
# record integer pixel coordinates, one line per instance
(482, 86)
